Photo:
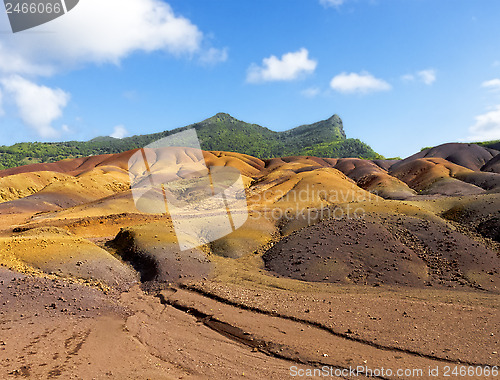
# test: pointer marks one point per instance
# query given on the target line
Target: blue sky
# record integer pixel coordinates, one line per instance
(402, 74)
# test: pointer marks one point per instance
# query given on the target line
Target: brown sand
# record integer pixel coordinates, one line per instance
(92, 288)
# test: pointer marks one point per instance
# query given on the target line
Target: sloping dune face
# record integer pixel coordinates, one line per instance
(492, 165)
(395, 262)
(75, 166)
(439, 176)
(18, 186)
(56, 251)
(374, 178)
(328, 181)
(248, 166)
(153, 251)
(91, 197)
(471, 156)
(368, 251)
(424, 174)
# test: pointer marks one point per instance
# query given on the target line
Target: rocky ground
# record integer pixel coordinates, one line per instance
(381, 264)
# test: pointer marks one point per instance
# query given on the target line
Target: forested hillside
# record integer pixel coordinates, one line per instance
(221, 132)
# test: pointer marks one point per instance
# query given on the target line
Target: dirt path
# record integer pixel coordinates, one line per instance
(303, 342)
(50, 329)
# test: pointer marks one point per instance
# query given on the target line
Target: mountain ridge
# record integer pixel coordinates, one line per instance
(221, 132)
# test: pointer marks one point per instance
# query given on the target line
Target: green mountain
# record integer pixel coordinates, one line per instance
(220, 132)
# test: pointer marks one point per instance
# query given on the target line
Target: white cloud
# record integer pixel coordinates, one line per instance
(362, 83)
(311, 92)
(213, 56)
(331, 3)
(487, 126)
(493, 84)
(94, 32)
(13, 62)
(38, 106)
(291, 66)
(99, 31)
(119, 132)
(427, 76)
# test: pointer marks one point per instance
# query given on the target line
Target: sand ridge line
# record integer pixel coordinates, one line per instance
(239, 335)
(215, 297)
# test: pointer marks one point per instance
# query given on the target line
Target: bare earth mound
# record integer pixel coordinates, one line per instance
(471, 156)
(341, 263)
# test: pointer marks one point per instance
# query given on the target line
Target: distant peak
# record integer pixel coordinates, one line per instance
(335, 124)
(221, 116)
(335, 119)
